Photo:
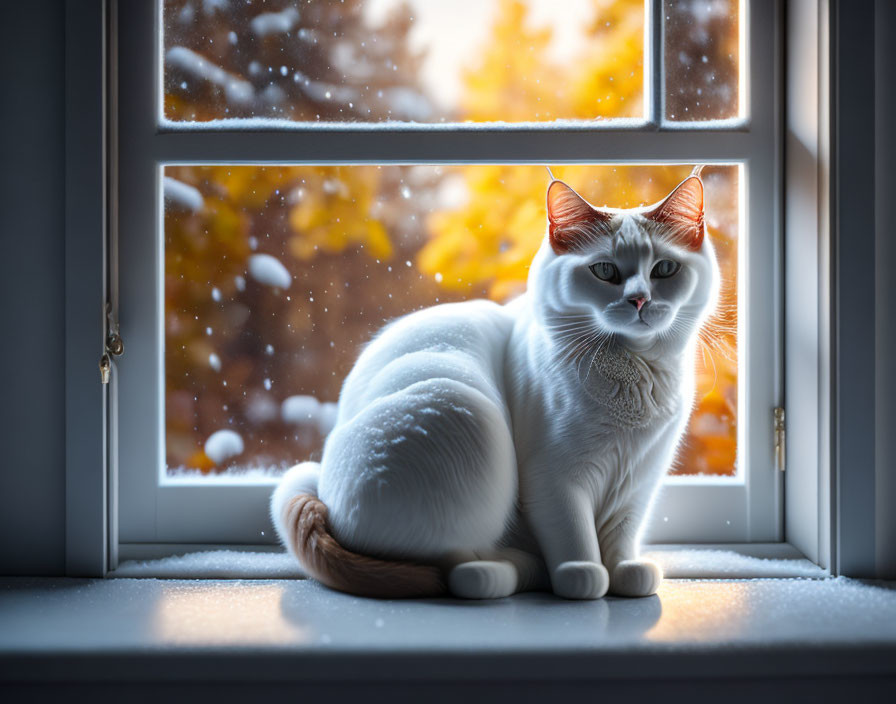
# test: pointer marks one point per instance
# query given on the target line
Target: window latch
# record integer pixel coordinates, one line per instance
(113, 346)
(780, 439)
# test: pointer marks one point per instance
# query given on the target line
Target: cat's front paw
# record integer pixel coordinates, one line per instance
(483, 579)
(580, 580)
(635, 578)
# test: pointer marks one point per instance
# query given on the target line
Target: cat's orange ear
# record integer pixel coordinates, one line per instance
(571, 217)
(682, 211)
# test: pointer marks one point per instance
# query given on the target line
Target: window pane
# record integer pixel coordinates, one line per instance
(702, 40)
(276, 276)
(403, 60)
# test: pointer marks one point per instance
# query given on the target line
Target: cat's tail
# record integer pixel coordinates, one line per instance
(301, 520)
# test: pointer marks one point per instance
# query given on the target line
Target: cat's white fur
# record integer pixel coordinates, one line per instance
(520, 446)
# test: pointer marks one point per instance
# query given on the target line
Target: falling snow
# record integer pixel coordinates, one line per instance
(181, 195)
(223, 444)
(309, 411)
(269, 271)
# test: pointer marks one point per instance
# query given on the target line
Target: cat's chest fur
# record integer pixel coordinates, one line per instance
(597, 418)
(631, 392)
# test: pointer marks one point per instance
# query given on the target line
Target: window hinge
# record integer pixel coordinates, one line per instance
(113, 346)
(780, 439)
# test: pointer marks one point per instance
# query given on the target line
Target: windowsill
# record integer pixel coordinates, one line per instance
(147, 630)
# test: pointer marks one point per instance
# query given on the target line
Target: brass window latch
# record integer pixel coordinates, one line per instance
(780, 440)
(113, 346)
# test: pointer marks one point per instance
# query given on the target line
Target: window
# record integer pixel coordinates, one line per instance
(276, 275)
(246, 133)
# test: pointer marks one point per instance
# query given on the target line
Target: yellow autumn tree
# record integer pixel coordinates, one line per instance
(336, 214)
(608, 76)
(511, 82)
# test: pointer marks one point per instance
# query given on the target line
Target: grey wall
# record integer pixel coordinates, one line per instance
(32, 201)
(885, 275)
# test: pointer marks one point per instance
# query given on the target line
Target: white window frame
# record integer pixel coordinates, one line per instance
(150, 511)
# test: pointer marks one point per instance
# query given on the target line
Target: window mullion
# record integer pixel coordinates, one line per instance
(301, 146)
(654, 76)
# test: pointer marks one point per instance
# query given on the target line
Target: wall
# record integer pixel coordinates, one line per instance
(32, 201)
(885, 298)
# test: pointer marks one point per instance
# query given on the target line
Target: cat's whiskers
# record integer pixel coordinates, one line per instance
(585, 332)
(582, 356)
(570, 329)
(710, 344)
(575, 339)
(579, 347)
(575, 336)
(708, 353)
(568, 319)
(708, 338)
(602, 343)
(676, 329)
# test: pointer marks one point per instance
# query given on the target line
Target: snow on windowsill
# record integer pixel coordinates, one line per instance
(272, 124)
(266, 476)
(215, 564)
(677, 562)
(237, 124)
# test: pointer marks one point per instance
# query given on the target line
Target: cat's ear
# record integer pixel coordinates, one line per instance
(682, 212)
(569, 216)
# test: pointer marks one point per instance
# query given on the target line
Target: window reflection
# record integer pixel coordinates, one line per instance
(224, 614)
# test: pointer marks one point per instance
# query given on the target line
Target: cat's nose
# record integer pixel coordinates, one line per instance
(638, 301)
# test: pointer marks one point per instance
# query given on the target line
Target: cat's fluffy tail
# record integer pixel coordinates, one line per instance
(301, 521)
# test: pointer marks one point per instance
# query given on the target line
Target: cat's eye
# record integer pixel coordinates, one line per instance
(606, 271)
(665, 268)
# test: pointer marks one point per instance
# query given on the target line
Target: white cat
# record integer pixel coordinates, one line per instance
(517, 447)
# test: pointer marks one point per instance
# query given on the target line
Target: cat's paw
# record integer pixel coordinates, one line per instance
(580, 580)
(635, 578)
(483, 579)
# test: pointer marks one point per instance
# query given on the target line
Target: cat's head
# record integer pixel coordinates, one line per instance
(643, 275)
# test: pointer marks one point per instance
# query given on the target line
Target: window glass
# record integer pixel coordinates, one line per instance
(702, 54)
(424, 61)
(275, 276)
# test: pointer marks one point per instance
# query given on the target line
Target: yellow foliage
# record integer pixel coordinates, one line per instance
(609, 78)
(493, 237)
(337, 213)
(512, 82)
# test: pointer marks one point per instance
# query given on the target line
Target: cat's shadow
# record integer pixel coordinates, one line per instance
(532, 618)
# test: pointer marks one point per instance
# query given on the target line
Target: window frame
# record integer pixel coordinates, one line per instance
(748, 510)
(88, 471)
(807, 277)
(145, 513)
